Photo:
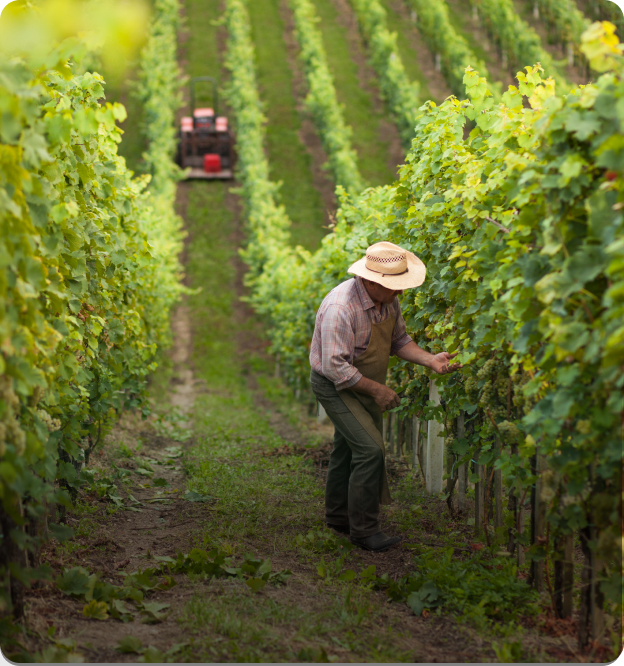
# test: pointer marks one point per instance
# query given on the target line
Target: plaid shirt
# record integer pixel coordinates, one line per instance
(343, 330)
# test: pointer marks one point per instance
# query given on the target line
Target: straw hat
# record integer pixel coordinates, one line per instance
(391, 266)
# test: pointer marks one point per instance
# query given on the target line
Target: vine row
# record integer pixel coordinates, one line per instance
(449, 46)
(86, 285)
(267, 223)
(568, 21)
(322, 101)
(401, 96)
(517, 39)
(520, 227)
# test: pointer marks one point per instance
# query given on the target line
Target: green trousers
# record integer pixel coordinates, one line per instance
(355, 469)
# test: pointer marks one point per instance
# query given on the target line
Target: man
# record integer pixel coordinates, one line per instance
(358, 326)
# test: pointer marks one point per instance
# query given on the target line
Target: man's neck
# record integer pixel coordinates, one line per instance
(377, 304)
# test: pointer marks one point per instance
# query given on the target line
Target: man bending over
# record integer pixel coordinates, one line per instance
(358, 327)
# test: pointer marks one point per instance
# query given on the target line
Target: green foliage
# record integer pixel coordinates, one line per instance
(508, 652)
(321, 99)
(566, 20)
(401, 96)
(88, 276)
(323, 541)
(150, 654)
(267, 223)
(129, 645)
(479, 590)
(455, 54)
(95, 610)
(104, 599)
(289, 159)
(521, 228)
(517, 39)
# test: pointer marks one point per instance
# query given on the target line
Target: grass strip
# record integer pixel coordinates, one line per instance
(322, 100)
(289, 162)
(202, 47)
(401, 96)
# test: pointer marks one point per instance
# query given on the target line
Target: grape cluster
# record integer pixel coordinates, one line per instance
(450, 311)
(520, 400)
(509, 432)
(10, 431)
(493, 394)
(50, 423)
(471, 386)
(450, 434)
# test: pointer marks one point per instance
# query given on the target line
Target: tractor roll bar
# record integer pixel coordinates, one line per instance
(215, 95)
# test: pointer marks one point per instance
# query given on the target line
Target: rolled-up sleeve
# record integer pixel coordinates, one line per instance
(338, 342)
(399, 334)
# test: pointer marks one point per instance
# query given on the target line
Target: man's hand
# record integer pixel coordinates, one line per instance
(441, 363)
(386, 398)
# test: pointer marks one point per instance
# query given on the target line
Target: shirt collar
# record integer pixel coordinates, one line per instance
(366, 300)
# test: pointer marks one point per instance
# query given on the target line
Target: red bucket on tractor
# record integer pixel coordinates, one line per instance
(205, 143)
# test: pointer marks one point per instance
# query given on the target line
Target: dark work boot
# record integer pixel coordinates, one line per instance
(376, 542)
(342, 529)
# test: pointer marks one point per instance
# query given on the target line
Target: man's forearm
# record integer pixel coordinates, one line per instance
(385, 397)
(414, 354)
(367, 386)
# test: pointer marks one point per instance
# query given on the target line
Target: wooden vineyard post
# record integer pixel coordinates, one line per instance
(400, 436)
(498, 491)
(391, 431)
(479, 498)
(520, 546)
(498, 499)
(435, 447)
(564, 575)
(462, 472)
(384, 434)
(407, 438)
(422, 457)
(538, 518)
(416, 459)
(449, 469)
(591, 617)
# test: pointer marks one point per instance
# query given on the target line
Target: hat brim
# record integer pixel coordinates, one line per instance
(415, 276)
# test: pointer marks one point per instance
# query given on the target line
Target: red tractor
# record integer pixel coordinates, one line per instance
(205, 142)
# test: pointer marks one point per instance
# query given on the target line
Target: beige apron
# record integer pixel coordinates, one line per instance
(373, 364)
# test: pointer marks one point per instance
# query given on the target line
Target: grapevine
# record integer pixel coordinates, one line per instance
(517, 39)
(399, 93)
(88, 280)
(455, 54)
(521, 235)
(322, 102)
